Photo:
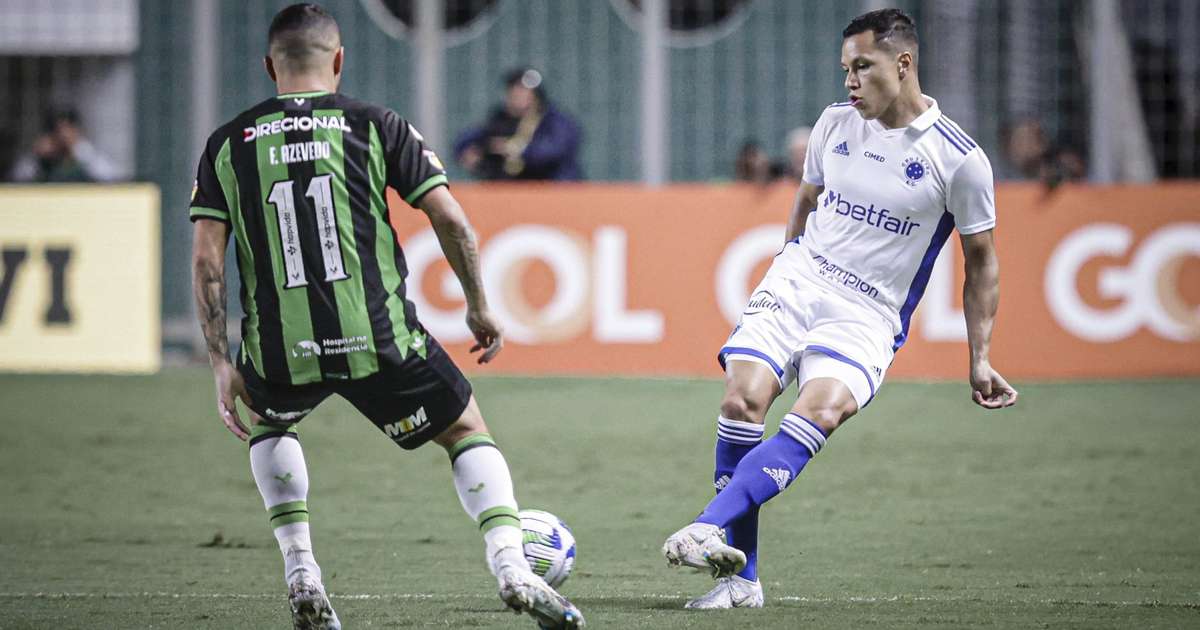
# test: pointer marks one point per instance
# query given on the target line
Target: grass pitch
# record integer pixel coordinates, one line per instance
(125, 504)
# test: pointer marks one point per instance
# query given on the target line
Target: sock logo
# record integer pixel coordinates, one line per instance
(284, 478)
(780, 475)
(478, 488)
(721, 482)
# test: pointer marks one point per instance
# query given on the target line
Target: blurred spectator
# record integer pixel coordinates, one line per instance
(755, 166)
(526, 138)
(62, 154)
(1031, 156)
(797, 148)
(752, 164)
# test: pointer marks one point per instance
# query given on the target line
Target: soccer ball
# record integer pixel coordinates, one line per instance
(549, 546)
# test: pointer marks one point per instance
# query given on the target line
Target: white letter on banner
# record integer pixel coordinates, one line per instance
(1062, 288)
(612, 323)
(1156, 266)
(502, 274)
(738, 261)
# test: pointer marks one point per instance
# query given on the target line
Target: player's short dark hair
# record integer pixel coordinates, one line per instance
(301, 34)
(892, 27)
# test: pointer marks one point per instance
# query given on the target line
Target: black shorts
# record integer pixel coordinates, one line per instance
(411, 403)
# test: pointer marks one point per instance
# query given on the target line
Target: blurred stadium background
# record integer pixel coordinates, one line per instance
(638, 271)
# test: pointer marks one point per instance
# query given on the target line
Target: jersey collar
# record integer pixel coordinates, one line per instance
(304, 94)
(928, 117)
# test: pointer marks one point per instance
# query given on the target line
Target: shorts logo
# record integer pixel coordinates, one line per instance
(286, 416)
(762, 301)
(407, 425)
(914, 170)
(306, 349)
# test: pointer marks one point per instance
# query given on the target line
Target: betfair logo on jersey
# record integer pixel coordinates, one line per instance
(407, 425)
(294, 123)
(879, 219)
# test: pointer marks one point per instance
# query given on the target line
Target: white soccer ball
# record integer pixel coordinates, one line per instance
(549, 546)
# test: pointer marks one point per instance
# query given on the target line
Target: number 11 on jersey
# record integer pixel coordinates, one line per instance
(320, 190)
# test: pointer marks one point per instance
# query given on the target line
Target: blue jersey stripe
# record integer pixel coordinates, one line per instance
(958, 133)
(921, 280)
(954, 127)
(949, 138)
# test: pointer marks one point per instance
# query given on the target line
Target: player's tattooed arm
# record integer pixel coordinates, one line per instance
(806, 200)
(981, 298)
(458, 243)
(208, 285)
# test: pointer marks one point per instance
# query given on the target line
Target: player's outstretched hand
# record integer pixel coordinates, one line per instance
(231, 386)
(487, 334)
(989, 390)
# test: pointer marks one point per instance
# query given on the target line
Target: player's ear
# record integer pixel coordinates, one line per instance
(270, 66)
(338, 58)
(904, 64)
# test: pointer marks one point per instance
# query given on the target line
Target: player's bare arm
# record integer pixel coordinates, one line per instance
(208, 286)
(981, 297)
(806, 200)
(458, 242)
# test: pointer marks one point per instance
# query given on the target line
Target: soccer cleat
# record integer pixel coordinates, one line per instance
(702, 546)
(525, 592)
(310, 607)
(730, 592)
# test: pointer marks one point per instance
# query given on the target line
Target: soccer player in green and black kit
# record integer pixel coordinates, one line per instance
(299, 180)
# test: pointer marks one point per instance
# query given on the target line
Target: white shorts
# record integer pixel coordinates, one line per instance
(802, 329)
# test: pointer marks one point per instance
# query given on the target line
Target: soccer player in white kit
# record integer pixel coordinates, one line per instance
(887, 178)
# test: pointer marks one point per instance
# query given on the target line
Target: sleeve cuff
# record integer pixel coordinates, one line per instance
(977, 228)
(201, 212)
(426, 186)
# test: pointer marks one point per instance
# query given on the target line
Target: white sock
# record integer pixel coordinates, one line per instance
(282, 478)
(485, 490)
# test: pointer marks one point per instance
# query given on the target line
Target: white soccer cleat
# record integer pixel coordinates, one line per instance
(310, 606)
(702, 546)
(523, 591)
(730, 592)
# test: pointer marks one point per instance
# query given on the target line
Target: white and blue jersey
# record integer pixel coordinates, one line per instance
(845, 291)
(891, 199)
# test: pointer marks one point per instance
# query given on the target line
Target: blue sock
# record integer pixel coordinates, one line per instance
(734, 440)
(765, 471)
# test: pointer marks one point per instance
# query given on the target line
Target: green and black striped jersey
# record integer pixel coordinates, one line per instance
(300, 178)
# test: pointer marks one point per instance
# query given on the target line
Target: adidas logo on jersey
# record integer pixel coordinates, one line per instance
(781, 476)
(842, 149)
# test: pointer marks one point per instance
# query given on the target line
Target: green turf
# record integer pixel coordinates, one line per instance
(125, 504)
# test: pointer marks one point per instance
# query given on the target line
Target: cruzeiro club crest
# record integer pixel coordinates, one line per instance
(915, 169)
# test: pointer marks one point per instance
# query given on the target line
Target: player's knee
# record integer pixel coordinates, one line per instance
(736, 406)
(829, 416)
(468, 424)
